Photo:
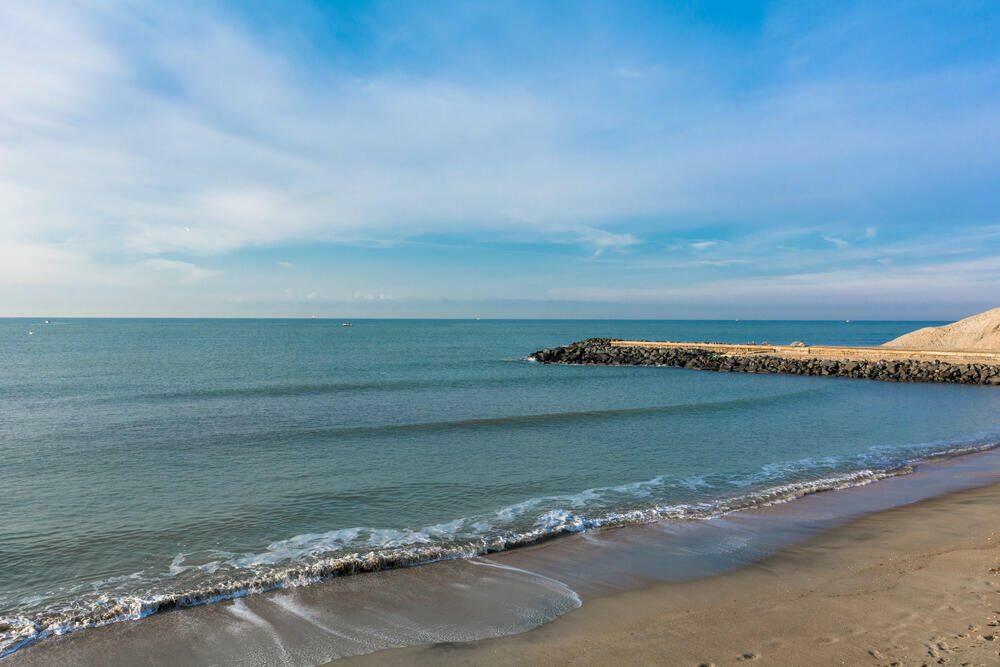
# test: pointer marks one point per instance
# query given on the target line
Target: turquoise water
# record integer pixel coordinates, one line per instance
(144, 459)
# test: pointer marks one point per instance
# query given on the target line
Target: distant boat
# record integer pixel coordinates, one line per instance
(31, 333)
(346, 324)
(46, 321)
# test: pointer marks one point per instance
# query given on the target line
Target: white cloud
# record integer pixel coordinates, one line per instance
(153, 138)
(245, 147)
(601, 240)
(902, 284)
(372, 296)
(183, 271)
(27, 264)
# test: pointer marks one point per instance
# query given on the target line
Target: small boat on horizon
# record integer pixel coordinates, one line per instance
(346, 324)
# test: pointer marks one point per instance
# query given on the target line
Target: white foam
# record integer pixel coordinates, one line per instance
(554, 583)
(387, 548)
(641, 489)
(695, 482)
(176, 566)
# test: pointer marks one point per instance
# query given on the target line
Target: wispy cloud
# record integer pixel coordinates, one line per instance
(373, 296)
(184, 271)
(905, 284)
(723, 262)
(154, 139)
(601, 240)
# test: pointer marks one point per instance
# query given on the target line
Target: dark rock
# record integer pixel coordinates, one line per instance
(600, 351)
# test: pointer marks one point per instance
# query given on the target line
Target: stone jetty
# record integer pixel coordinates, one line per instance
(799, 359)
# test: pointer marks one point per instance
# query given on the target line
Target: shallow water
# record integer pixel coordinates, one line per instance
(141, 459)
(450, 602)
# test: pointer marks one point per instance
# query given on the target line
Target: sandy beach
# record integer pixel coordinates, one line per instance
(482, 333)
(892, 571)
(650, 514)
(915, 585)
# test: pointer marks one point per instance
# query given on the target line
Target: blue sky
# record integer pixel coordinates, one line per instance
(720, 159)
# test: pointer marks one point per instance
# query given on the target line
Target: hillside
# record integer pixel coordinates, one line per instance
(979, 333)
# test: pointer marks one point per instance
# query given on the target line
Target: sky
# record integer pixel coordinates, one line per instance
(799, 160)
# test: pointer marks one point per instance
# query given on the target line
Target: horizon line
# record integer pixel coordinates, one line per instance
(463, 319)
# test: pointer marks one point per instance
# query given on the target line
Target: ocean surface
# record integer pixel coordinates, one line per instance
(153, 464)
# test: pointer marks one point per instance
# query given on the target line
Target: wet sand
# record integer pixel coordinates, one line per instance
(819, 580)
(915, 585)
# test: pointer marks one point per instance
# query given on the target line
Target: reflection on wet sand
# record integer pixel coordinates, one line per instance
(509, 593)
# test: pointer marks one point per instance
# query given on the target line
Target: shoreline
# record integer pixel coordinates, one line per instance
(325, 569)
(915, 584)
(546, 579)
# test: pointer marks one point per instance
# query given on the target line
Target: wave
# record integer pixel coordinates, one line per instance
(302, 389)
(322, 388)
(299, 560)
(555, 417)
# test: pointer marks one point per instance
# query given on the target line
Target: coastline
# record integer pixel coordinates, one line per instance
(456, 601)
(916, 584)
(334, 568)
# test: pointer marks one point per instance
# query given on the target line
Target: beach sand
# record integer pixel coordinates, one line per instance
(914, 585)
(869, 574)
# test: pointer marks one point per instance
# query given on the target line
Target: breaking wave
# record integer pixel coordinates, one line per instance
(313, 557)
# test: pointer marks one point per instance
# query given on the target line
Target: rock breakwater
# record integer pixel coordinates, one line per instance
(604, 352)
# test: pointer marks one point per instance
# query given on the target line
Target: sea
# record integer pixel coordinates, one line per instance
(149, 465)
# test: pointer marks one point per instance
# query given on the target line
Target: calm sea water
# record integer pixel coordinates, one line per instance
(141, 459)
